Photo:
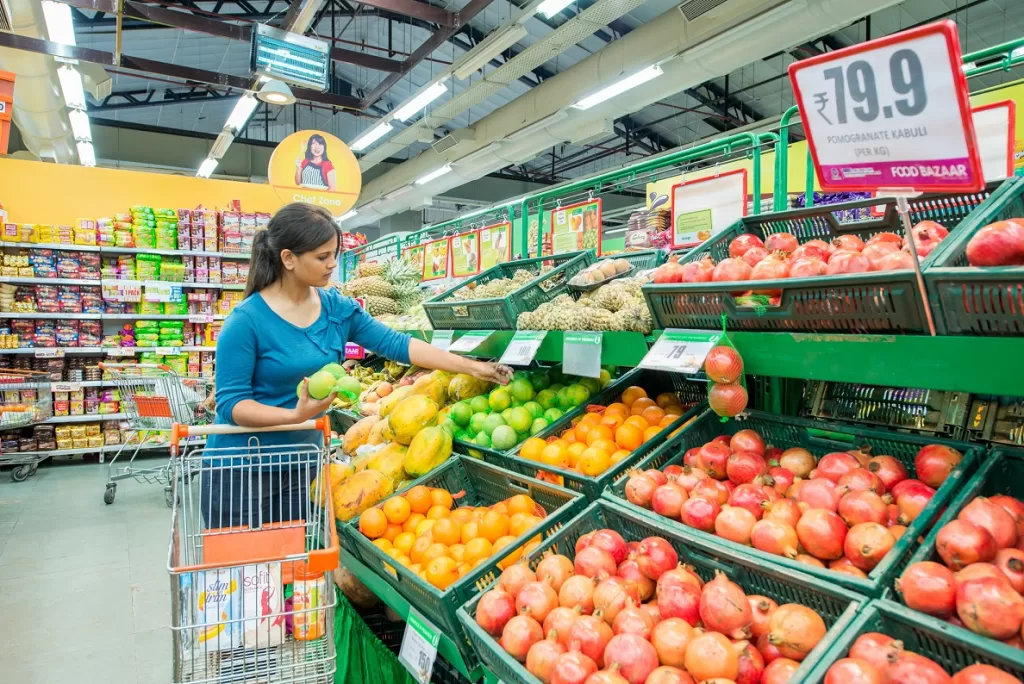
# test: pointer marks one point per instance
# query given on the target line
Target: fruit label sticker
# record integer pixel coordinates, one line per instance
(681, 351)
(523, 347)
(470, 341)
(891, 114)
(442, 339)
(581, 353)
(495, 245)
(576, 227)
(419, 646)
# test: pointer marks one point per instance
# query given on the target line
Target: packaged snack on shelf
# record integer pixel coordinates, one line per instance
(151, 308)
(69, 298)
(176, 308)
(148, 266)
(215, 266)
(92, 299)
(85, 231)
(90, 264)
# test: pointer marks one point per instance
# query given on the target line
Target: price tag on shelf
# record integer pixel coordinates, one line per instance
(121, 351)
(442, 339)
(681, 351)
(121, 290)
(159, 291)
(65, 386)
(200, 318)
(523, 347)
(49, 353)
(419, 646)
(470, 341)
(167, 351)
(891, 114)
(581, 353)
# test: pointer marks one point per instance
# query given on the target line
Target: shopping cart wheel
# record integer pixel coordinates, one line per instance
(22, 473)
(108, 496)
(168, 497)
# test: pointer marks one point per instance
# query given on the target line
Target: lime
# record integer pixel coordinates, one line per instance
(503, 437)
(462, 436)
(479, 404)
(334, 369)
(539, 424)
(547, 399)
(555, 387)
(476, 422)
(521, 375)
(346, 384)
(492, 421)
(321, 384)
(606, 378)
(578, 394)
(298, 390)
(461, 413)
(520, 419)
(552, 414)
(505, 414)
(540, 380)
(521, 389)
(482, 440)
(521, 436)
(593, 385)
(534, 408)
(564, 400)
(499, 399)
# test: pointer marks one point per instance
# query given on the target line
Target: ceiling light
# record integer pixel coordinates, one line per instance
(276, 93)
(490, 47)
(537, 126)
(550, 8)
(79, 124)
(59, 26)
(86, 153)
(395, 194)
(370, 136)
(347, 215)
(619, 87)
(416, 104)
(1018, 53)
(71, 86)
(239, 116)
(221, 144)
(436, 173)
(206, 168)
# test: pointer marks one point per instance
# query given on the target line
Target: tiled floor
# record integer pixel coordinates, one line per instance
(84, 589)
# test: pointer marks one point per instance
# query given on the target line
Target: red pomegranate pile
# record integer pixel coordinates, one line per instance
(846, 509)
(877, 658)
(998, 244)
(724, 367)
(630, 613)
(980, 582)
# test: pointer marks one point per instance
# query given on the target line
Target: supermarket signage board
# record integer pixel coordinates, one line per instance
(523, 347)
(290, 57)
(681, 351)
(435, 259)
(315, 167)
(121, 290)
(465, 251)
(419, 646)
(576, 227)
(890, 115)
(414, 255)
(994, 127)
(495, 245)
(706, 206)
(581, 353)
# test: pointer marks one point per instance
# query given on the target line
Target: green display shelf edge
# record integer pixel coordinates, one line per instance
(446, 648)
(618, 348)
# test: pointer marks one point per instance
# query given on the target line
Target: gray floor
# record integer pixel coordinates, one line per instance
(84, 590)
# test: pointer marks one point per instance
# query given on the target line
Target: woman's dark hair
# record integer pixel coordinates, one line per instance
(309, 147)
(298, 227)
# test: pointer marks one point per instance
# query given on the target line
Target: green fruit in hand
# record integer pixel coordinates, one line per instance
(298, 390)
(492, 421)
(479, 404)
(553, 414)
(334, 369)
(521, 389)
(476, 422)
(461, 413)
(499, 399)
(564, 400)
(539, 424)
(547, 399)
(503, 437)
(593, 385)
(540, 381)
(519, 419)
(535, 409)
(578, 394)
(605, 378)
(321, 384)
(348, 385)
(482, 440)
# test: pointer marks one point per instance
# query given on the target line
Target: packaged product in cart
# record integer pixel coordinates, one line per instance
(308, 599)
(216, 604)
(263, 599)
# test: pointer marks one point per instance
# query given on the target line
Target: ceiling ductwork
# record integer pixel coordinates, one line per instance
(715, 43)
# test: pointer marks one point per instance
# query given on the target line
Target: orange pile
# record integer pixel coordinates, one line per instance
(420, 531)
(602, 438)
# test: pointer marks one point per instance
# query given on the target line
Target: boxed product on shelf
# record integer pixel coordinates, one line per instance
(85, 231)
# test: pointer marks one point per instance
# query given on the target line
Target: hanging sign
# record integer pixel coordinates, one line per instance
(706, 206)
(465, 251)
(316, 168)
(994, 127)
(419, 646)
(442, 339)
(470, 341)
(581, 353)
(576, 227)
(496, 245)
(681, 351)
(414, 255)
(435, 259)
(523, 347)
(891, 114)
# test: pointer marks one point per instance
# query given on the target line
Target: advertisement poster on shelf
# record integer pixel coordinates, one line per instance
(414, 255)
(576, 227)
(465, 249)
(317, 168)
(435, 259)
(496, 245)
(703, 207)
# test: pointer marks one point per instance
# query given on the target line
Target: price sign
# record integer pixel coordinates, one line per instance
(121, 290)
(891, 114)
(581, 353)
(470, 341)
(121, 351)
(419, 646)
(442, 339)
(200, 318)
(158, 291)
(65, 386)
(49, 353)
(168, 351)
(523, 347)
(681, 351)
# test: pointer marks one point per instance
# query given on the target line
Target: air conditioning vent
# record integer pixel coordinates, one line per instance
(5, 16)
(693, 9)
(444, 144)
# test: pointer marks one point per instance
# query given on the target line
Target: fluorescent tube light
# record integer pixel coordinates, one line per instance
(221, 144)
(619, 87)
(394, 194)
(80, 125)
(206, 168)
(370, 136)
(416, 104)
(347, 215)
(86, 153)
(71, 86)
(490, 47)
(59, 26)
(550, 8)
(436, 173)
(537, 126)
(244, 108)
(478, 154)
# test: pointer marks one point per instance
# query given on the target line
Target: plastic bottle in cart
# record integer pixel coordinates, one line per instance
(309, 593)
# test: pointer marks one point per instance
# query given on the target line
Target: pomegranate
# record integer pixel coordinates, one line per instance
(659, 478)
(978, 571)
(833, 466)
(814, 249)
(696, 271)
(559, 622)
(554, 570)
(572, 667)
(668, 499)
(820, 493)
(934, 462)
(809, 560)
(515, 577)
(989, 515)
(669, 675)
(1014, 507)
(891, 238)
(591, 634)
(780, 671)
(844, 261)
(640, 489)
(541, 657)
(670, 637)
(928, 587)
(700, 513)
(611, 541)
(751, 665)
(584, 541)
(730, 270)
(727, 400)
(606, 677)
(672, 472)
(866, 545)
(844, 567)
(594, 562)
(690, 457)
(806, 267)
(633, 654)
(712, 655)
(893, 517)
(798, 461)
(927, 236)
(990, 607)
(961, 543)
(735, 524)
(678, 576)
(862, 507)
(761, 610)
(771, 268)
(495, 609)
(785, 242)
(612, 595)
(783, 510)
(536, 600)
(752, 497)
(743, 466)
(669, 272)
(629, 569)
(1011, 563)
(713, 458)
(740, 244)
(854, 671)
(754, 255)
(682, 601)
(520, 633)
(724, 608)
(766, 649)
(795, 630)
(822, 533)
(747, 440)
(997, 244)
(578, 590)
(911, 668)
(896, 261)
(772, 536)
(656, 557)
(983, 674)
(633, 620)
(712, 490)
(877, 649)
(860, 480)
(690, 476)
(652, 610)
(723, 364)
(852, 243)
(912, 500)
(889, 470)
(874, 251)
(779, 479)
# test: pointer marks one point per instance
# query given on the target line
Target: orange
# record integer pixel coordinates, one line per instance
(667, 399)
(373, 523)
(529, 546)
(651, 432)
(531, 448)
(397, 509)
(494, 525)
(629, 437)
(419, 499)
(638, 422)
(414, 520)
(619, 455)
(521, 525)
(442, 572)
(555, 455)
(606, 445)
(674, 410)
(394, 553)
(463, 569)
(640, 404)
(461, 515)
(574, 452)
(437, 511)
(582, 431)
(667, 420)
(404, 542)
(500, 507)
(416, 567)
(447, 531)
(521, 503)
(618, 408)
(433, 551)
(392, 532)
(425, 527)
(591, 419)
(593, 462)
(477, 549)
(569, 436)
(631, 394)
(599, 432)
(614, 420)
(404, 560)
(457, 551)
(382, 544)
(441, 497)
(470, 531)
(653, 415)
(512, 557)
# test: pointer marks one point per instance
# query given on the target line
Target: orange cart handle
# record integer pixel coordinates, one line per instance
(179, 431)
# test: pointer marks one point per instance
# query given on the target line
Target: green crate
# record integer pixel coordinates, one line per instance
(655, 382)
(642, 260)
(785, 432)
(501, 313)
(483, 485)
(978, 301)
(838, 607)
(950, 647)
(342, 419)
(877, 302)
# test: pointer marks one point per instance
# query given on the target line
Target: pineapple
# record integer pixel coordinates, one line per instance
(372, 286)
(379, 306)
(366, 269)
(400, 271)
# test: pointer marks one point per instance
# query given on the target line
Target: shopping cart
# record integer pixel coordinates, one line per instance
(25, 399)
(252, 594)
(153, 398)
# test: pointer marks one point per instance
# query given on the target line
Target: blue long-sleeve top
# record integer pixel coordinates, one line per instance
(263, 357)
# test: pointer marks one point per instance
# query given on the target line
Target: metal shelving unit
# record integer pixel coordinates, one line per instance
(16, 280)
(126, 250)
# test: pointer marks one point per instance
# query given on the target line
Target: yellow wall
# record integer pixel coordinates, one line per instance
(36, 192)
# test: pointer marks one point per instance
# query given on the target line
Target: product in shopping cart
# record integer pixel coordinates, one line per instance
(263, 599)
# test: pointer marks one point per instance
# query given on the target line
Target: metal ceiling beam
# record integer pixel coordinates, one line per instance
(135, 99)
(413, 8)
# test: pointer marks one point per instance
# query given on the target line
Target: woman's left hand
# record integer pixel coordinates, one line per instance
(491, 372)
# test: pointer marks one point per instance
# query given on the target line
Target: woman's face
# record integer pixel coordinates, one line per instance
(316, 147)
(315, 267)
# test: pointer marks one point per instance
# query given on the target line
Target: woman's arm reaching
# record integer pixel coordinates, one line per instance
(426, 356)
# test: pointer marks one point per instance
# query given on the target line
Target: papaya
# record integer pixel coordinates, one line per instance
(430, 448)
(361, 462)
(430, 387)
(339, 472)
(389, 461)
(388, 403)
(359, 492)
(465, 386)
(410, 416)
(357, 435)
(443, 377)
(376, 435)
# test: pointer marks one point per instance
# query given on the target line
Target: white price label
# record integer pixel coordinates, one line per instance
(442, 339)
(681, 351)
(121, 351)
(165, 351)
(65, 386)
(891, 114)
(419, 646)
(158, 291)
(523, 347)
(49, 353)
(581, 353)
(470, 341)
(200, 318)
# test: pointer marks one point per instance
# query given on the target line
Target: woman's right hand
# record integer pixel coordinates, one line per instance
(309, 408)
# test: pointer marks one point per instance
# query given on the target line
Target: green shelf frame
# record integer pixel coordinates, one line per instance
(618, 348)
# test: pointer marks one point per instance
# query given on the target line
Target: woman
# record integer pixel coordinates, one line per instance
(288, 326)
(314, 169)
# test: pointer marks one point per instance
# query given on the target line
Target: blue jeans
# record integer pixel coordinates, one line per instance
(236, 497)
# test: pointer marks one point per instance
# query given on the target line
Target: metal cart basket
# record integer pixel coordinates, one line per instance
(25, 399)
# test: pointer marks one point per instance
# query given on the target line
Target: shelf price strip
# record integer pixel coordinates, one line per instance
(581, 353)
(470, 341)
(681, 351)
(419, 646)
(442, 339)
(523, 347)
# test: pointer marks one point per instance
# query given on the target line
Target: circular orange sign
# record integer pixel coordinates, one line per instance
(318, 168)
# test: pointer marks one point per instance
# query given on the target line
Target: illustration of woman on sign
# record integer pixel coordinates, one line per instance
(314, 168)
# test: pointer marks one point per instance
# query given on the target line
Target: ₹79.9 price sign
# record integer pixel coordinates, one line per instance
(891, 114)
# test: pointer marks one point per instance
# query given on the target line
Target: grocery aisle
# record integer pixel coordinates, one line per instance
(83, 586)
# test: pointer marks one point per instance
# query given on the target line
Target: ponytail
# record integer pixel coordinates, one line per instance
(297, 227)
(265, 265)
